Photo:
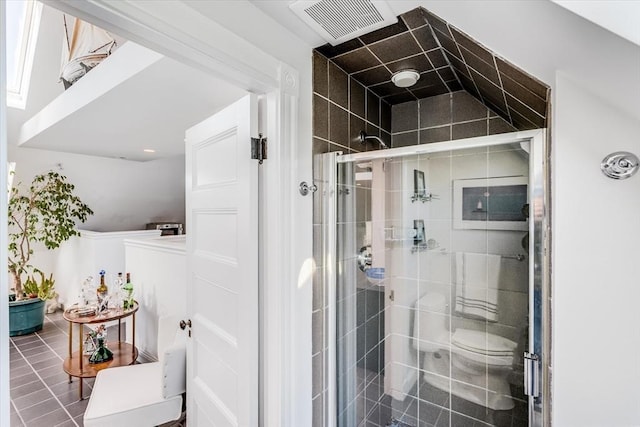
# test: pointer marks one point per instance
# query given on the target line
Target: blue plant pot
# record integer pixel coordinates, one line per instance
(26, 316)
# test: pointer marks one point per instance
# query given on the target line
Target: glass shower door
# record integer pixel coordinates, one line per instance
(432, 287)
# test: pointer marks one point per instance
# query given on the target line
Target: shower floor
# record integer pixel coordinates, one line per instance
(428, 406)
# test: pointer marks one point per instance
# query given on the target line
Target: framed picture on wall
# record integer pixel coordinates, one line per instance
(490, 203)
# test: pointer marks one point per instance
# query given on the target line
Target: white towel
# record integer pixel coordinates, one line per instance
(477, 277)
(483, 343)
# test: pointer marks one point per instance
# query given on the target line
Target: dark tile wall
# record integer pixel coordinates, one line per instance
(464, 91)
(342, 107)
(370, 330)
(516, 96)
(448, 60)
(445, 117)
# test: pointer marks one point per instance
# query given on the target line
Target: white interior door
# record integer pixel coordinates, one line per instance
(222, 268)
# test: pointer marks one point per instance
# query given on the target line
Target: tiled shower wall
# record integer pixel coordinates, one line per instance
(342, 108)
(445, 117)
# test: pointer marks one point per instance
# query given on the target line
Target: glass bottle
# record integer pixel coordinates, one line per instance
(101, 353)
(119, 281)
(128, 293)
(102, 291)
(117, 292)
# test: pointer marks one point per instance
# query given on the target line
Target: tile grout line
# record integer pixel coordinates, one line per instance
(351, 112)
(45, 385)
(17, 412)
(443, 125)
(47, 344)
(42, 416)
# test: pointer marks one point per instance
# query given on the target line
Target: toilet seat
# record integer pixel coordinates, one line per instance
(483, 347)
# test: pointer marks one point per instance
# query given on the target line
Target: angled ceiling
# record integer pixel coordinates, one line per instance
(619, 17)
(149, 110)
(448, 60)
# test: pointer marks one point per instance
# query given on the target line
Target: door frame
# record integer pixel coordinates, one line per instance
(4, 284)
(177, 31)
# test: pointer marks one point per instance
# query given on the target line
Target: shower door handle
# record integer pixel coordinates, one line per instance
(531, 374)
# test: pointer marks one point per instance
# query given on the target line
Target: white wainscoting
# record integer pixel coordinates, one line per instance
(158, 273)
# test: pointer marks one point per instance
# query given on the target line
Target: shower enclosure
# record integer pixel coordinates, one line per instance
(435, 274)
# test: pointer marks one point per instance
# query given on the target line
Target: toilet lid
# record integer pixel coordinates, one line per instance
(484, 343)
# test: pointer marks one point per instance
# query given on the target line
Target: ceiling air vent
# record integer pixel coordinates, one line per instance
(339, 21)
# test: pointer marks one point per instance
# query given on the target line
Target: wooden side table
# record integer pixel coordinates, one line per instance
(77, 364)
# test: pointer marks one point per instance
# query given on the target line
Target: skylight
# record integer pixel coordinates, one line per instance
(23, 21)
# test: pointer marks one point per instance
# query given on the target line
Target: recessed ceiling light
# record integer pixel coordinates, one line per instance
(405, 78)
(149, 150)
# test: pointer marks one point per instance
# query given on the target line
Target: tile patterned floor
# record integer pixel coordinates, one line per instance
(41, 395)
(428, 406)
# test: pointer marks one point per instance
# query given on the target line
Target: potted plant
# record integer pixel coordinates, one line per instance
(27, 315)
(44, 214)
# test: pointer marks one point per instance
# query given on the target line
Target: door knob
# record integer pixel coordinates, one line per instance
(184, 324)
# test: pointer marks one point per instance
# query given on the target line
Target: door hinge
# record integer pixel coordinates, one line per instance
(259, 148)
(184, 324)
(531, 374)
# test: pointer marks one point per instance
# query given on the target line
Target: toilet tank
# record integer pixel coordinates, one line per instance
(430, 331)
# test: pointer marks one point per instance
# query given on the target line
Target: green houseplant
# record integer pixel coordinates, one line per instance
(44, 214)
(43, 290)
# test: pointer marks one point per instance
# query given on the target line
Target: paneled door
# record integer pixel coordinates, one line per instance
(222, 268)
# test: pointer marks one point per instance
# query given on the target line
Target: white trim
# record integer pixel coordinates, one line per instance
(176, 245)
(98, 235)
(18, 99)
(145, 354)
(4, 286)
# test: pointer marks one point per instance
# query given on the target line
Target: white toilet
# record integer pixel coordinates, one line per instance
(471, 364)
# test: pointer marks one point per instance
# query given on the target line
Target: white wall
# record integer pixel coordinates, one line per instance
(4, 289)
(596, 333)
(85, 255)
(124, 195)
(158, 270)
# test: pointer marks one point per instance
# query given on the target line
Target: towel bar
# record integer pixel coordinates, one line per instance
(517, 257)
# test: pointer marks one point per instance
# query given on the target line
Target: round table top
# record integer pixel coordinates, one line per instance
(71, 314)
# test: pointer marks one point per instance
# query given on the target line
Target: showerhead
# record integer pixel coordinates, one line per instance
(364, 137)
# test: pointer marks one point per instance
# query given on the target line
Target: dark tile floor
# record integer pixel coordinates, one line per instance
(41, 395)
(428, 406)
